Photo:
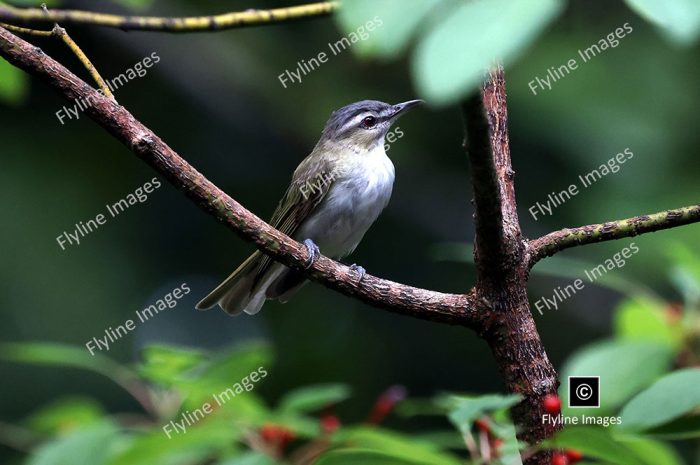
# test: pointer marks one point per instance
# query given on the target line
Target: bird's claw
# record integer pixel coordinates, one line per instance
(314, 253)
(359, 270)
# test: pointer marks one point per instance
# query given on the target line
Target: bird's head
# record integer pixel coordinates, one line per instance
(364, 124)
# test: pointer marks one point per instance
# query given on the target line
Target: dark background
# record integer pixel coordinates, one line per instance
(216, 100)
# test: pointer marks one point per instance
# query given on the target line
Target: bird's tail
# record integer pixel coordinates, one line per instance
(236, 294)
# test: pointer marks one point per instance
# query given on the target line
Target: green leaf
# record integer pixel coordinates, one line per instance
(64, 415)
(312, 398)
(165, 364)
(686, 271)
(681, 428)
(396, 20)
(92, 445)
(205, 439)
(363, 457)
(678, 19)
(624, 367)
(667, 399)
(251, 458)
(503, 427)
(643, 320)
(50, 354)
(14, 86)
(449, 439)
(595, 442)
(405, 449)
(651, 451)
(684, 256)
(234, 372)
(465, 410)
(450, 61)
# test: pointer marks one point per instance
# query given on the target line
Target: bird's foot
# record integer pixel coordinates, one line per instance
(314, 253)
(359, 270)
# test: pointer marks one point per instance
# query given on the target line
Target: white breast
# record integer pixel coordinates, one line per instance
(352, 205)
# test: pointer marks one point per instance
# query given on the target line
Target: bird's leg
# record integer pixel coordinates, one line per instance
(359, 270)
(314, 252)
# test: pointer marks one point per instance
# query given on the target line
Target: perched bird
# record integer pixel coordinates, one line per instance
(336, 193)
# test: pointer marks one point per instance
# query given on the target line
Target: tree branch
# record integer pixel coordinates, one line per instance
(58, 31)
(500, 255)
(24, 30)
(554, 242)
(252, 17)
(498, 238)
(62, 34)
(459, 309)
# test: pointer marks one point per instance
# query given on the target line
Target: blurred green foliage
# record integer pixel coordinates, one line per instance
(643, 381)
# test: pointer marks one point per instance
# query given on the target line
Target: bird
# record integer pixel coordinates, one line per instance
(336, 193)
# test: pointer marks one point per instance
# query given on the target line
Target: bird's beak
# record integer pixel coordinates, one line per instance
(401, 108)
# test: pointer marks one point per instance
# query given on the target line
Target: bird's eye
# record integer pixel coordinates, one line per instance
(369, 122)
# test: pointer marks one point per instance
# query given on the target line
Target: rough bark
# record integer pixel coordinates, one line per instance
(500, 254)
(554, 242)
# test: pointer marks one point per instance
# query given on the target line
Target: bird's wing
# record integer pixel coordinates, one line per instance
(311, 183)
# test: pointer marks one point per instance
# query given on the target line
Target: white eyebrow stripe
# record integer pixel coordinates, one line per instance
(356, 121)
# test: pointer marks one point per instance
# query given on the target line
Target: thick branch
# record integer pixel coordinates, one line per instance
(554, 242)
(500, 256)
(395, 297)
(498, 237)
(252, 17)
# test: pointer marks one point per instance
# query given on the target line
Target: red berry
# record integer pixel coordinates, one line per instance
(270, 433)
(552, 404)
(573, 455)
(559, 459)
(275, 434)
(482, 424)
(385, 403)
(330, 423)
(495, 445)
(286, 436)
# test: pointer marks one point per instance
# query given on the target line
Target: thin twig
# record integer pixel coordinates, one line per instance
(252, 17)
(24, 30)
(60, 32)
(556, 241)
